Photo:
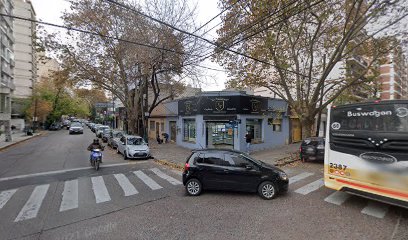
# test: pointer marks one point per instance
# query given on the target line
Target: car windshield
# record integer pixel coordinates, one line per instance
(76, 124)
(135, 141)
(117, 134)
(104, 128)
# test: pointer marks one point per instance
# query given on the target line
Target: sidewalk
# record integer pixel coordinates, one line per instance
(16, 138)
(172, 153)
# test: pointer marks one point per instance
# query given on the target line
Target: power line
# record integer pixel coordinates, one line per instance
(95, 34)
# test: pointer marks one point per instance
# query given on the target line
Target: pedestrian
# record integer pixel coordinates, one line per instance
(166, 137)
(159, 140)
(248, 139)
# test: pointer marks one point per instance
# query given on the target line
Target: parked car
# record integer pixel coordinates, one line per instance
(106, 134)
(76, 127)
(99, 131)
(133, 147)
(312, 149)
(66, 124)
(54, 126)
(95, 127)
(114, 138)
(231, 170)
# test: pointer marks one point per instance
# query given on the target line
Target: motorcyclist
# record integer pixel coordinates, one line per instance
(95, 145)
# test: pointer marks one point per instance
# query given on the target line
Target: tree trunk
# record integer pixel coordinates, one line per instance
(307, 127)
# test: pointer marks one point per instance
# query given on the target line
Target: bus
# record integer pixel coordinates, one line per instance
(366, 151)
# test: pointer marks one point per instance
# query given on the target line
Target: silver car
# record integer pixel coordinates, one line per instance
(99, 131)
(114, 138)
(133, 147)
(76, 128)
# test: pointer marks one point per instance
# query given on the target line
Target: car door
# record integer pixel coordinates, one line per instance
(243, 175)
(217, 171)
(121, 145)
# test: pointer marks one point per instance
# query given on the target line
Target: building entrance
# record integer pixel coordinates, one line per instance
(219, 135)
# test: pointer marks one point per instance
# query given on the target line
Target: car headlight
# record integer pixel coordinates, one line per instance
(283, 176)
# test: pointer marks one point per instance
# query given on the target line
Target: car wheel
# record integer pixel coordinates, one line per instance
(267, 190)
(193, 187)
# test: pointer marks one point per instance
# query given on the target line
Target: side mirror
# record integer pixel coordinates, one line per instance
(248, 167)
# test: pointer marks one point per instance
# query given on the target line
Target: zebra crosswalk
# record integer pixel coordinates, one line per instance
(71, 194)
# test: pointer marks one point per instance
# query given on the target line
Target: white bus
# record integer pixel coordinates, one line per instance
(366, 150)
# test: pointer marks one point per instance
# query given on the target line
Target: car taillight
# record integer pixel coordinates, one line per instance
(186, 167)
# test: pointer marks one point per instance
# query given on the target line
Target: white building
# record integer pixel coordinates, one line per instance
(25, 71)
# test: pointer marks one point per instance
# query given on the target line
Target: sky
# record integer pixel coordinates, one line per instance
(51, 11)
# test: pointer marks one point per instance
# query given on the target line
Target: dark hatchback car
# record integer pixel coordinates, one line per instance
(312, 149)
(219, 169)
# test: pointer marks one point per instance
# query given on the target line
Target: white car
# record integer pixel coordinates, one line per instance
(99, 131)
(76, 127)
(133, 147)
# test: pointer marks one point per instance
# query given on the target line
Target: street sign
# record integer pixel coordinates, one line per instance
(104, 105)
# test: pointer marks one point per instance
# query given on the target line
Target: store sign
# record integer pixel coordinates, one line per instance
(222, 105)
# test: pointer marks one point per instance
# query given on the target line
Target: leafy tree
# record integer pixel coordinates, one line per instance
(300, 45)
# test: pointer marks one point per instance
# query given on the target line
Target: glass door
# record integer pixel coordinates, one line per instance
(220, 135)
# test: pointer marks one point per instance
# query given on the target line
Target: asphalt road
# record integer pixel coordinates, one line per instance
(142, 200)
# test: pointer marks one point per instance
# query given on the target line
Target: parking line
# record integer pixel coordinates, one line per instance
(337, 198)
(69, 195)
(376, 209)
(165, 176)
(147, 180)
(300, 177)
(32, 206)
(310, 187)
(100, 191)
(5, 196)
(125, 184)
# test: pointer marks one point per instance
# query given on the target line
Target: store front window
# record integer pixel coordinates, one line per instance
(220, 135)
(189, 130)
(254, 127)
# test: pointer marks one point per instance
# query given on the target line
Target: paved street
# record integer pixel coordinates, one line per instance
(144, 200)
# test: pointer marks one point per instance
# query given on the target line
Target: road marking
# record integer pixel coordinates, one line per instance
(5, 196)
(100, 191)
(165, 176)
(177, 172)
(65, 171)
(375, 209)
(310, 187)
(69, 195)
(127, 187)
(32, 206)
(147, 180)
(337, 198)
(299, 177)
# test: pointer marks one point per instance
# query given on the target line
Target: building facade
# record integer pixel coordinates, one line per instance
(222, 119)
(25, 71)
(6, 67)
(394, 77)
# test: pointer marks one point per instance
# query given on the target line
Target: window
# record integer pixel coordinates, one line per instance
(277, 125)
(254, 127)
(162, 126)
(237, 161)
(3, 103)
(189, 130)
(212, 159)
(152, 126)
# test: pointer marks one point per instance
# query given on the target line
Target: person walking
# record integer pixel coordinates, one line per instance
(248, 139)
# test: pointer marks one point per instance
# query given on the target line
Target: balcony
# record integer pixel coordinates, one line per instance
(359, 60)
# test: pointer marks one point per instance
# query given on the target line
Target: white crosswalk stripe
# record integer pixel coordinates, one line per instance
(32, 206)
(69, 196)
(313, 186)
(126, 185)
(299, 177)
(100, 191)
(376, 209)
(165, 176)
(147, 180)
(5, 196)
(337, 198)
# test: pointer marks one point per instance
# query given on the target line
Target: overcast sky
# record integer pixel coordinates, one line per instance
(51, 11)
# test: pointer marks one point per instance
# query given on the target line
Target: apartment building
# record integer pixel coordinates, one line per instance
(25, 71)
(393, 78)
(6, 66)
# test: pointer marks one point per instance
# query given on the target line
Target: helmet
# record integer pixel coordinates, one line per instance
(96, 140)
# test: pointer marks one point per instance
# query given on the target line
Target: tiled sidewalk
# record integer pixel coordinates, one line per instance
(176, 154)
(16, 138)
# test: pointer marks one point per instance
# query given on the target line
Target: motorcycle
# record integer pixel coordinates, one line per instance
(96, 158)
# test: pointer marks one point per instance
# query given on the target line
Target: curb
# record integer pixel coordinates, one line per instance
(176, 166)
(15, 143)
